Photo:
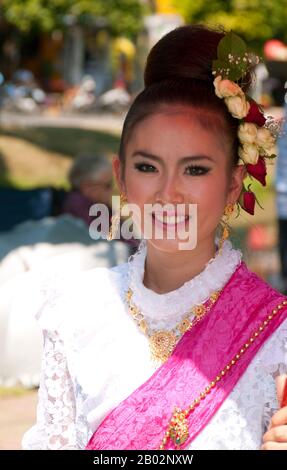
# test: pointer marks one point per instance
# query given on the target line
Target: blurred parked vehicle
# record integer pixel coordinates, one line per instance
(84, 99)
(116, 100)
(22, 94)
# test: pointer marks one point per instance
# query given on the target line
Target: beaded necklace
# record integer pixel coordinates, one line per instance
(163, 342)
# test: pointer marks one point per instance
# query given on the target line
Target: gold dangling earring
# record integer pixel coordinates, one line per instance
(225, 234)
(116, 219)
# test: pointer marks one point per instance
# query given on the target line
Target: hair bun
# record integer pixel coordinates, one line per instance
(185, 52)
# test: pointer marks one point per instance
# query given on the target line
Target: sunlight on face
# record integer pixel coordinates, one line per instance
(171, 158)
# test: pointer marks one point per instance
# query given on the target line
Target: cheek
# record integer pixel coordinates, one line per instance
(208, 191)
(210, 197)
(138, 187)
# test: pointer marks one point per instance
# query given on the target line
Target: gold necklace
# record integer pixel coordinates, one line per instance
(163, 342)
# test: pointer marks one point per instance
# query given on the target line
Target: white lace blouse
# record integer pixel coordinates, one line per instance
(95, 356)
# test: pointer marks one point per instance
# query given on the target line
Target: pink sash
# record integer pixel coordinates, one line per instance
(140, 421)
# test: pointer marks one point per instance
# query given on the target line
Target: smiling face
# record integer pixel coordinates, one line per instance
(171, 158)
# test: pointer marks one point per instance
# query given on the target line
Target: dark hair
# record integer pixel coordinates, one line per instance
(179, 71)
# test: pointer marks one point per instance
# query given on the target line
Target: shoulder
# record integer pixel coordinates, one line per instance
(253, 299)
(252, 286)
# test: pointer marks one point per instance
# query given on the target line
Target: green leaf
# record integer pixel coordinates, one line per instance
(218, 66)
(236, 72)
(227, 70)
(230, 44)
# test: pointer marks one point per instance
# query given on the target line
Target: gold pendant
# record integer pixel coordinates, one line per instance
(162, 344)
(178, 430)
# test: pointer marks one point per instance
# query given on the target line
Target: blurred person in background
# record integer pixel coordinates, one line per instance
(91, 180)
(281, 199)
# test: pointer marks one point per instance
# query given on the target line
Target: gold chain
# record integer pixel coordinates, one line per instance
(178, 426)
(163, 342)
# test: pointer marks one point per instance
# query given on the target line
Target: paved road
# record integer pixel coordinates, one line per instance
(107, 122)
(102, 122)
(17, 414)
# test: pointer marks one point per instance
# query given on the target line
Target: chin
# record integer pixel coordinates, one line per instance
(171, 246)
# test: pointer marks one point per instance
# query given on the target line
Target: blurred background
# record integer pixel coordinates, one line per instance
(69, 71)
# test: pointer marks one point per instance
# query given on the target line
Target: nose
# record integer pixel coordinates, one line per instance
(169, 190)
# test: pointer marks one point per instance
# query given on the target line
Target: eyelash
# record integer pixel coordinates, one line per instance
(202, 170)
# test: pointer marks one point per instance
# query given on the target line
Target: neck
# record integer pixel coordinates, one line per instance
(165, 272)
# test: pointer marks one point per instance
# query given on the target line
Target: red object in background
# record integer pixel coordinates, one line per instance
(258, 238)
(284, 397)
(57, 85)
(120, 83)
(275, 50)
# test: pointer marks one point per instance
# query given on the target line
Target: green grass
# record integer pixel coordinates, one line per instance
(24, 169)
(68, 141)
(24, 183)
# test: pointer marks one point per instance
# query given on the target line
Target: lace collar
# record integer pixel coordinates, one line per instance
(165, 310)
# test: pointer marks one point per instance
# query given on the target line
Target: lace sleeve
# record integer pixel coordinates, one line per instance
(55, 427)
(273, 363)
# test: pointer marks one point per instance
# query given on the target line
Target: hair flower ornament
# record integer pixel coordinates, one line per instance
(256, 133)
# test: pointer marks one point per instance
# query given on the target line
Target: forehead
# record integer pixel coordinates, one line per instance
(176, 129)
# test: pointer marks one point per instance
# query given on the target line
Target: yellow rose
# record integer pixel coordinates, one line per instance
(265, 139)
(270, 151)
(238, 106)
(247, 133)
(249, 153)
(226, 88)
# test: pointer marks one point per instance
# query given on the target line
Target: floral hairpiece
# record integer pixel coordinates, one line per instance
(257, 133)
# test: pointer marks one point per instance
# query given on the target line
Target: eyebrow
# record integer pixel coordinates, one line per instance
(145, 154)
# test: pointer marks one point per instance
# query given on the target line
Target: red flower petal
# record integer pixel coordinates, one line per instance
(249, 202)
(255, 115)
(258, 171)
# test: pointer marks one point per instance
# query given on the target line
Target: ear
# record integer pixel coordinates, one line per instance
(117, 170)
(237, 176)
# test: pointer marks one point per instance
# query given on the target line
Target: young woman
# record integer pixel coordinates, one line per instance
(178, 348)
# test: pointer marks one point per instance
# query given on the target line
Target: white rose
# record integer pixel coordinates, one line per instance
(249, 153)
(265, 139)
(238, 106)
(247, 133)
(226, 88)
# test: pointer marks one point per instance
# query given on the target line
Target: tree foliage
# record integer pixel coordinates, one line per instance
(255, 20)
(120, 16)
